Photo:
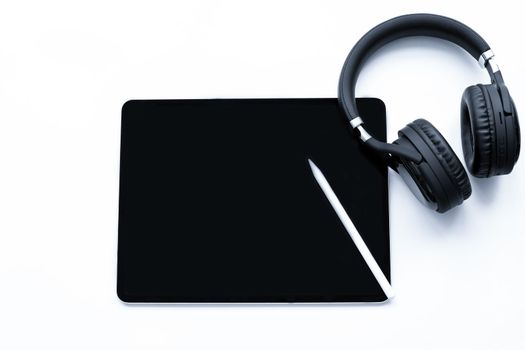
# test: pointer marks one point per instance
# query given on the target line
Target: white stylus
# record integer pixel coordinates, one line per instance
(352, 231)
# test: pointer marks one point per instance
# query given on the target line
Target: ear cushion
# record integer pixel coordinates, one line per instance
(477, 131)
(446, 156)
(517, 128)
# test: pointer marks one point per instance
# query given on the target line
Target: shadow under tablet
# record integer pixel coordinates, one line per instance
(218, 202)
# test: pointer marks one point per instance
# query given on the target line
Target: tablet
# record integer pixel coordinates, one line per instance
(218, 202)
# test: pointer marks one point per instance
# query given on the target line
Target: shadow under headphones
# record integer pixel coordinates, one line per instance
(489, 122)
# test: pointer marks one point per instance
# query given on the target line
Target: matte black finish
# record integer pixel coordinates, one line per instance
(393, 150)
(490, 136)
(218, 203)
(397, 28)
(440, 176)
(489, 122)
(446, 156)
(477, 132)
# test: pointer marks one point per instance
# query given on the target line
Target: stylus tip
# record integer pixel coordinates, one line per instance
(313, 166)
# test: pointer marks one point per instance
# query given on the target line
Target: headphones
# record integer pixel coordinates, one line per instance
(489, 122)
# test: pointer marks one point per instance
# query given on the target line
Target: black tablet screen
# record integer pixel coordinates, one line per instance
(218, 203)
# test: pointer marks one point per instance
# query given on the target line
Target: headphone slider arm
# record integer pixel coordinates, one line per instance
(357, 123)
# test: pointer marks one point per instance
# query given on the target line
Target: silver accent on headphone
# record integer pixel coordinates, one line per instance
(356, 122)
(485, 56)
(488, 57)
(365, 136)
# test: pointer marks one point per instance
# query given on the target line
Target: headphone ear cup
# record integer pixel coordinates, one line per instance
(477, 131)
(446, 156)
(440, 174)
(517, 130)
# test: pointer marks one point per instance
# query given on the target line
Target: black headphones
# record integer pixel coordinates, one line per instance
(489, 122)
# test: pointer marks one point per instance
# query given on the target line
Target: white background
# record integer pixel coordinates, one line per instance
(66, 68)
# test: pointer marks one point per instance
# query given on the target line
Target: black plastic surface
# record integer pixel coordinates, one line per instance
(218, 203)
(396, 28)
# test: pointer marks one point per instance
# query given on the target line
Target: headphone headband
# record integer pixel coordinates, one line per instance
(402, 27)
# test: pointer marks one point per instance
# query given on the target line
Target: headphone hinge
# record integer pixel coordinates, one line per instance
(357, 123)
(488, 57)
(496, 78)
(503, 92)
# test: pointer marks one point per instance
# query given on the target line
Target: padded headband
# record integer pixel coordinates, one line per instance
(397, 28)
